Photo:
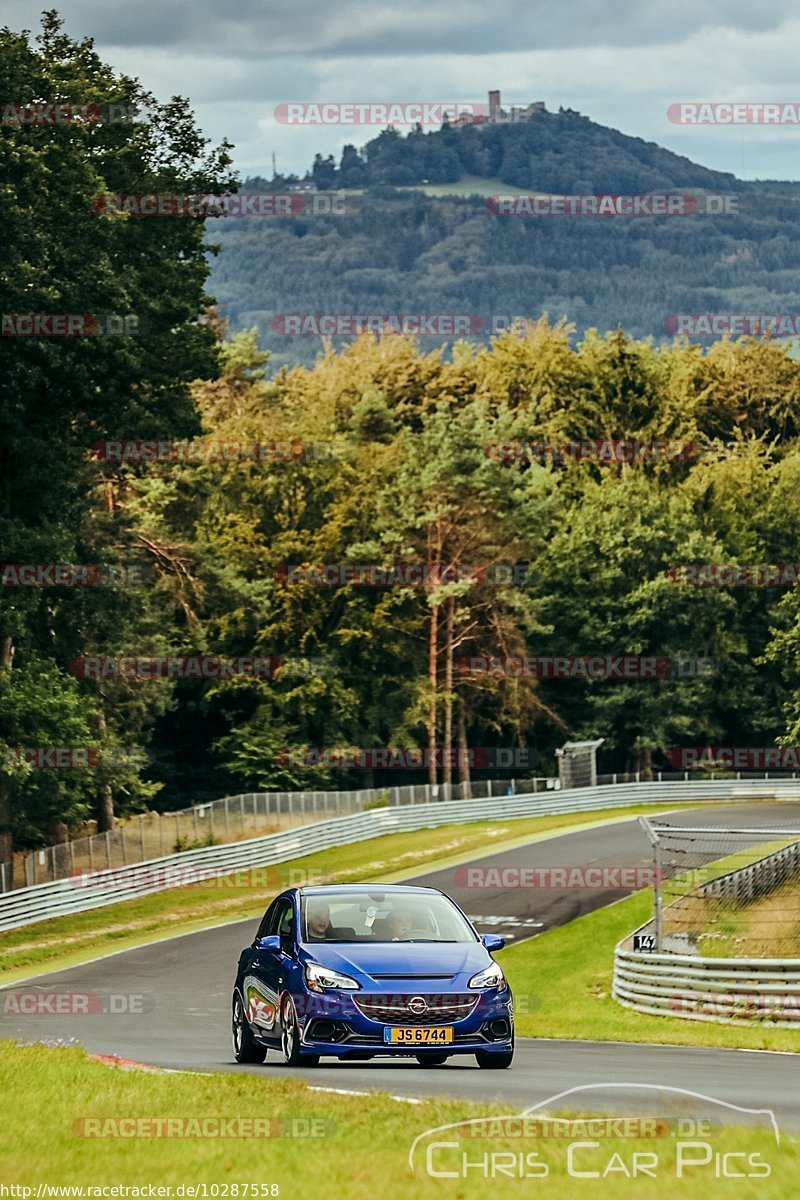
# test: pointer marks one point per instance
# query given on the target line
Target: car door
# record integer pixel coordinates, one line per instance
(276, 964)
(261, 974)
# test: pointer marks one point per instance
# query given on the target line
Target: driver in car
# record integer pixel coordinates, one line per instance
(318, 921)
(400, 925)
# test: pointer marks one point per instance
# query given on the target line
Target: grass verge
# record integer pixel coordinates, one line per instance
(362, 1151)
(562, 982)
(66, 941)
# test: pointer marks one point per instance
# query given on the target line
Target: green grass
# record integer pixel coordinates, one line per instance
(65, 941)
(562, 983)
(468, 185)
(363, 1152)
(722, 927)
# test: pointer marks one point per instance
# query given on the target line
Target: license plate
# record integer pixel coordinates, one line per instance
(418, 1035)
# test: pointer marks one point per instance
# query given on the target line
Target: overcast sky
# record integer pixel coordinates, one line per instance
(620, 62)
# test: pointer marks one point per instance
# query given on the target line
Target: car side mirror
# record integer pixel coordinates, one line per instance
(493, 942)
(273, 942)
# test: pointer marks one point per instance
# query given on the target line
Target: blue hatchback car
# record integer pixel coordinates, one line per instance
(354, 971)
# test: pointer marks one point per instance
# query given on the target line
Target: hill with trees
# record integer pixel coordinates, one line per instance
(395, 249)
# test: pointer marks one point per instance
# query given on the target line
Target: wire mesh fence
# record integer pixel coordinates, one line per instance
(234, 818)
(726, 893)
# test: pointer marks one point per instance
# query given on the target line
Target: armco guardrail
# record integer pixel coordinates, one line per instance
(737, 991)
(233, 818)
(734, 991)
(68, 896)
(758, 878)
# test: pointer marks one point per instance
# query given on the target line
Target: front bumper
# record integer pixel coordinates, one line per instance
(342, 1028)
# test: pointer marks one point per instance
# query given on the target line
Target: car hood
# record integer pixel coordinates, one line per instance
(394, 962)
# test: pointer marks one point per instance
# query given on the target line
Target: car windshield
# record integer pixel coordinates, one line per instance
(383, 917)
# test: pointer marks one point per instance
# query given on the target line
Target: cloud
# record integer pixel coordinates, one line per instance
(620, 62)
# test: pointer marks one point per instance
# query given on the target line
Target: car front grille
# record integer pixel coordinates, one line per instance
(395, 1010)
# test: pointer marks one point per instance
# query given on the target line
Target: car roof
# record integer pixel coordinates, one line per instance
(365, 889)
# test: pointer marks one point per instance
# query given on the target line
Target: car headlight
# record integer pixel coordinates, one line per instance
(492, 977)
(319, 979)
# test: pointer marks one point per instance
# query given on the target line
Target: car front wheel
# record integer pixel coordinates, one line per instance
(496, 1061)
(245, 1047)
(290, 1038)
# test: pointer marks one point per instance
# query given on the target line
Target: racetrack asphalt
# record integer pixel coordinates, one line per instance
(181, 991)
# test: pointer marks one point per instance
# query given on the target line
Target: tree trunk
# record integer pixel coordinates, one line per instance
(6, 832)
(106, 819)
(447, 738)
(433, 643)
(463, 755)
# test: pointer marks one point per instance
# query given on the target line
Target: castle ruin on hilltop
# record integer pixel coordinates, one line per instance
(497, 115)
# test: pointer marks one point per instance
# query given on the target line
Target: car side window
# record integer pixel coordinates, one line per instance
(285, 925)
(266, 920)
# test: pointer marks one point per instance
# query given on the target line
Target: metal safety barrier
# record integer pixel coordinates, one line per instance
(734, 991)
(89, 890)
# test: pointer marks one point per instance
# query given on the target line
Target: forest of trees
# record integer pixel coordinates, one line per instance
(393, 459)
(401, 251)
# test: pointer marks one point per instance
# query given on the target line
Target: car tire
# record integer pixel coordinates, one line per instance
(431, 1060)
(245, 1047)
(494, 1060)
(290, 1038)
